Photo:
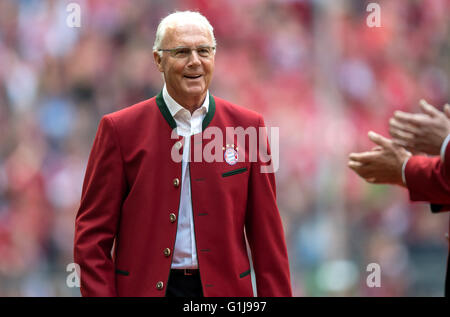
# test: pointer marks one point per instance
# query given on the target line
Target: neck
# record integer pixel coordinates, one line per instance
(191, 103)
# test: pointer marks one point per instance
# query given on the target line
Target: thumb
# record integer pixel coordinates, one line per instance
(447, 110)
(379, 139)
(427, 108)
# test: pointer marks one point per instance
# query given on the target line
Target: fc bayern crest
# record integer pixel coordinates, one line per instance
(231, 156)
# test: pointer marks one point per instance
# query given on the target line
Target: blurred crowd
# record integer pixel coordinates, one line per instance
(314, 68)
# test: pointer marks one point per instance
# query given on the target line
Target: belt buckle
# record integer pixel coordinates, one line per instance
(187, 272)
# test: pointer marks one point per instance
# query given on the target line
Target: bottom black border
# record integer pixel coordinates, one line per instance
(295, 306)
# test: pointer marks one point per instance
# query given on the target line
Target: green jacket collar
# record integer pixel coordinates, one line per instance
(171, 121)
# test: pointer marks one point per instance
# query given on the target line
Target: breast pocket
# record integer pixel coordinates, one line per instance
(234, 172)
(232, 186)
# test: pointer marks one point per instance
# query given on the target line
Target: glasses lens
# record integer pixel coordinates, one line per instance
(181, 52)
(204, 51)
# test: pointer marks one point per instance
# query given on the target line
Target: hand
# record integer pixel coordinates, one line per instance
(421, 132)
(381, 165)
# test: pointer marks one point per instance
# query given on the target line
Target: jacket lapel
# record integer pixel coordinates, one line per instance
(171, 121)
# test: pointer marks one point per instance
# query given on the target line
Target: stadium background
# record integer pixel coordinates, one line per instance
(312, 68)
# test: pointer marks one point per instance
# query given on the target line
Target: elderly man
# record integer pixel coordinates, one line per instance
(427, 178)
(178, 227)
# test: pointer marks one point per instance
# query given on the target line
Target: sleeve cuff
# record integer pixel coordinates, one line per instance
(444, 147)
(403, 171)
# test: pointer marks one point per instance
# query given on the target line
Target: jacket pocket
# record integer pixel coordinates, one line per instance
(234, 172)
(244, 274)
(126, 273)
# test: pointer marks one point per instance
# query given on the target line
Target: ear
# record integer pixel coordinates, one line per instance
(158, 61)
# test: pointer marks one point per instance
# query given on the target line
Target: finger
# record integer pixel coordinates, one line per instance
(354, 165)
(406, 127)
(367, 172)
(427, 108)
(357, 167)
(447, 110)
(410, 118)
(362, 170)
(379, 139)
(410, 148)
(399, 142)
(376, 148)
(377, 181)
(363, 157)
(401, 135)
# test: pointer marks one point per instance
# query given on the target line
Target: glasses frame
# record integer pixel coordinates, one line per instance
(172, 51)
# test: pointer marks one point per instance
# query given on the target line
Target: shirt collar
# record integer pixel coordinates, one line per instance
(175, 107)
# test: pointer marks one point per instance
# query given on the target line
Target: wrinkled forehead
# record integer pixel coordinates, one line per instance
(186, 34)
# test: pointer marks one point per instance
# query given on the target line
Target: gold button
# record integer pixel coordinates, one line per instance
(159, 285)
(176, 182)
(166, 251)
(178, 145)
(172, 217)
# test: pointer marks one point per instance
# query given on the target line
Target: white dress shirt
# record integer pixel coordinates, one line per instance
(185, 252)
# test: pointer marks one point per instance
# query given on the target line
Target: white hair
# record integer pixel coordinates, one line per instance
(177, 18)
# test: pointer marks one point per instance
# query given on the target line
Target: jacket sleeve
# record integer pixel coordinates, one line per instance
(104, 189)
(428, 179)
(264, 231)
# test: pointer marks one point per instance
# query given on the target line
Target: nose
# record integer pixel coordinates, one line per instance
(194, 59)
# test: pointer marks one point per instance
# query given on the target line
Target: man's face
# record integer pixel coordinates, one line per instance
(187, 79)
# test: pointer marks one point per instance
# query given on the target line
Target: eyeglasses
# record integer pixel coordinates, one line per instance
(184, 52)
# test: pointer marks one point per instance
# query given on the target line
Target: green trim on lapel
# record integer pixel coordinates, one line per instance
(165, 111)
(171, 121)
(211, 111)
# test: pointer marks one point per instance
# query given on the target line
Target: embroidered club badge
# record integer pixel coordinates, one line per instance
(231, 156)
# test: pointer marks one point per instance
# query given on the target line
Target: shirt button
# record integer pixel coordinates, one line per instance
(176, 182)
(166, 252)
(159, 285)
(172, 217)
(446, 235)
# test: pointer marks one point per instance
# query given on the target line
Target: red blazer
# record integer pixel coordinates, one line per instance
(428, 179)
(131, 196)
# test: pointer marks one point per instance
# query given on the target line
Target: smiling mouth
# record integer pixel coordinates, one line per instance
(192, 77)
